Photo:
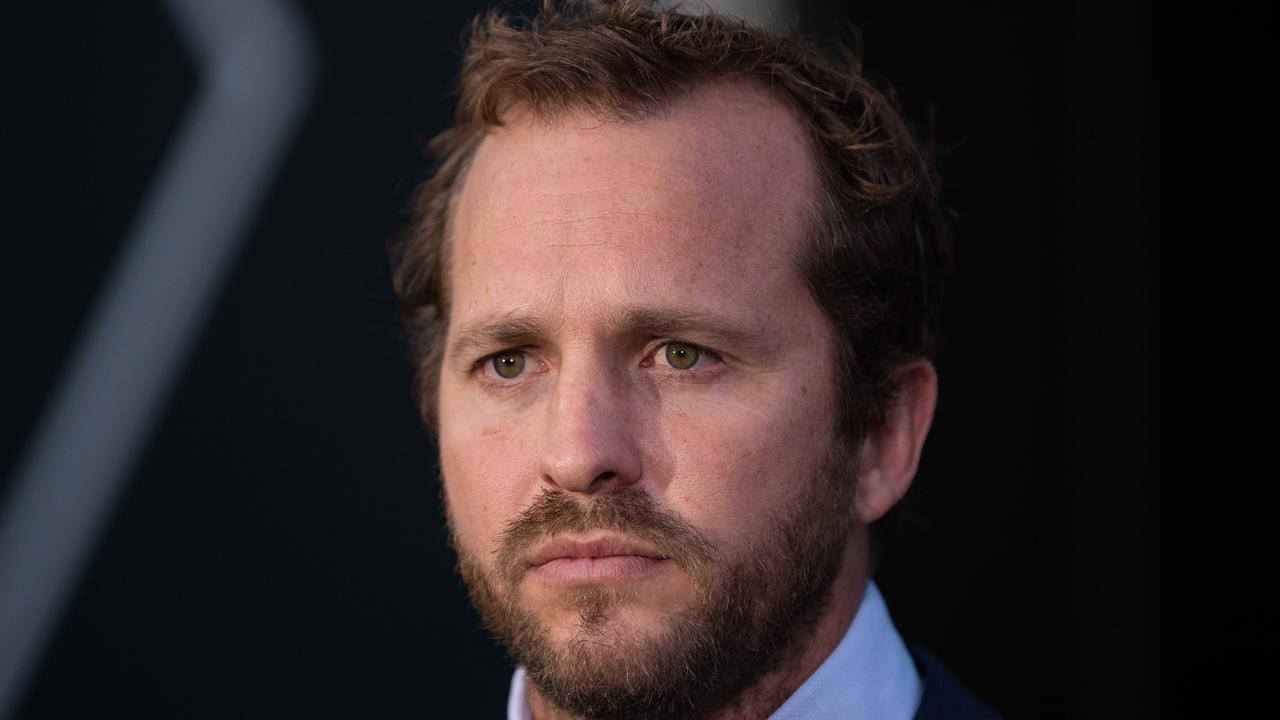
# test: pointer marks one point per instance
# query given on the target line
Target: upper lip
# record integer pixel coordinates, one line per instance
(605, 546)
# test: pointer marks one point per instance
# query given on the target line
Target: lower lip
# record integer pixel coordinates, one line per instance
(613, 568)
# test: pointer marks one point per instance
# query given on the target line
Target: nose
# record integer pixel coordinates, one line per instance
(590, 444)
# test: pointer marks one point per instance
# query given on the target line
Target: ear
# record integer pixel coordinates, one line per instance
(891, 452)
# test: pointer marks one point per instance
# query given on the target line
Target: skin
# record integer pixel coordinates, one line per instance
(587, 230)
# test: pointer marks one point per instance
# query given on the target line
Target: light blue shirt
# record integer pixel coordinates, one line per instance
(870, 674)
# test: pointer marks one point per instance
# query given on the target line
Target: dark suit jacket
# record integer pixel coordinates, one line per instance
(944, 697)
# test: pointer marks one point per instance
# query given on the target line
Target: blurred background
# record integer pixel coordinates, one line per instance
(274, 545)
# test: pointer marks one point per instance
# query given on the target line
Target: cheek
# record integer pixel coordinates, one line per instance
(485, 466)
(735, 463)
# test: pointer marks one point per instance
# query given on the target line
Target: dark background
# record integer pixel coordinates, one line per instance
(279, 549)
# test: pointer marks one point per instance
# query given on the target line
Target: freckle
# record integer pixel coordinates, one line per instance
(489, 431)
(804, 390)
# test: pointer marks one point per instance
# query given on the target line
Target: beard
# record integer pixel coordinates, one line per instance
(751, 610)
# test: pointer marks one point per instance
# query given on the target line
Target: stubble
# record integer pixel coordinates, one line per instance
(751, 610)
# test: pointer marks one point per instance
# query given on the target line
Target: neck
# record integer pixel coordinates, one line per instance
(766, 694)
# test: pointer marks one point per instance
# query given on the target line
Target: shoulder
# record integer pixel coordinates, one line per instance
(945, 697)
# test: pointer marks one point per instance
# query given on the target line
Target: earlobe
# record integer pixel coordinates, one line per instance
(890, 453)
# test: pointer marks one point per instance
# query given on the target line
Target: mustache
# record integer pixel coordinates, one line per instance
(627, 511)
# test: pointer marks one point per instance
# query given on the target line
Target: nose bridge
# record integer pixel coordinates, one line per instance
(589, 442)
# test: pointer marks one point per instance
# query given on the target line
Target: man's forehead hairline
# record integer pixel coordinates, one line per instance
(638, 112)
(627, 115)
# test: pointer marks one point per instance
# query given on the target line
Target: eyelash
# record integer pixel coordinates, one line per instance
(704, 353)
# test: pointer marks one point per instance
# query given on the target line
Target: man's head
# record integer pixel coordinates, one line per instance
(671, 290)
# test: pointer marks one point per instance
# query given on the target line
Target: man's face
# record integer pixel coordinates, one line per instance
(637, 398)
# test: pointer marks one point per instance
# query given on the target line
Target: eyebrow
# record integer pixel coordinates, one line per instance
(677, 322)
(497, 333)
(656, 321)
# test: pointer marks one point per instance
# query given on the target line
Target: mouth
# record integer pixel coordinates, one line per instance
(569, 561)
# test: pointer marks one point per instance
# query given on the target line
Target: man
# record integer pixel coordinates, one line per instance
(671, 290)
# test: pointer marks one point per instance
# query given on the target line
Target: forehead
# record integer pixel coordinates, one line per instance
(706, 203)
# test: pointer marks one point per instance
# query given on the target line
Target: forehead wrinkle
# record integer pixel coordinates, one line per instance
(555, 222)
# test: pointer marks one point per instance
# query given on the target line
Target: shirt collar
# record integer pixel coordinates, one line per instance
(869, 674)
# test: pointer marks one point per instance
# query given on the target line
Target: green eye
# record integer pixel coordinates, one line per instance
(509, 364)
(682, 356)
